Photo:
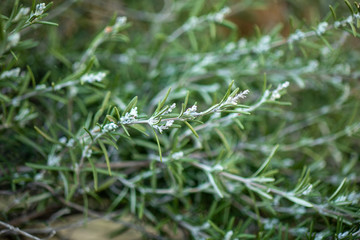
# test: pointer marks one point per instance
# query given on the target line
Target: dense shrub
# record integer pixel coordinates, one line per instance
(176, 114)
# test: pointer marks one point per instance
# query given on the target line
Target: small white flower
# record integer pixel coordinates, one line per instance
(228, 235)
(343, 235)
(354, 197)
(88, 153)
(234, 100)
(219, 16)
(22, 114)
(263, 45)
(121, 20)
(90, 78)
(191, 23)
(39, 9)
(62, 140)
(307, 190)
(40, 87)
(191, 110)
(15, 101)
(161, 128)
(110, 127)
(53, 160)
(217, 167)
(170, 109)
(14, 39)
(276, 93)
(11, 73)
(169, 123)
(341, 199)
(70, 143)
(230, 47)
(321, 28)
(39, 176)
(321, 235)
(270, 223)
(177, 155)
(22, 12)
(134, 112)
(129, 116)
(242, 43)
(152, 121)
(349, 19)
(298, 35)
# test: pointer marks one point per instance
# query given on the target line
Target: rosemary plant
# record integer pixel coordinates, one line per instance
(173, 117)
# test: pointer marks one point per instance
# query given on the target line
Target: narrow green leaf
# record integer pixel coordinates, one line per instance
(326, 42)
(131, 105)
(47, 137)
(263, 167)
(95, 176)
(216, 228)
(48, 23)
(236, 111)
(162, 103)
(227, 92)
(332, 12)
(31, 143)
(192, 40)
(32, 77)
(191, 128)
(125, 130)
(212, 28)
(158, 144)
(338, 190)
(139, 128)
(4, 98)
(111, 118)
(223, 139)
(117, 113)
(183, 105)
(265, 82)
(2, 30)
(299, 201)
(132, 200)
(91, 136)
(197, 8)
(246, 236)
(108, 183)
(237, 121)
(353, 29)
(260, 192)
(186, 99)
(228, 24)
(106, 100)
(146, 144)
(303, 180)
(66, 184)
(65, 130)
(103, 148)
(111, 140)
(141, 207)
(46, 167)
(213, 183)
(349, 6)
(117, 200)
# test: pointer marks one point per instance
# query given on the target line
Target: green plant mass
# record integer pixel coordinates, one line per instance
(184, 119)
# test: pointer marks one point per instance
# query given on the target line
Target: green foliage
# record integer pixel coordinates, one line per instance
(174, 117)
